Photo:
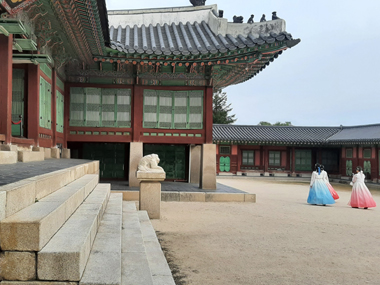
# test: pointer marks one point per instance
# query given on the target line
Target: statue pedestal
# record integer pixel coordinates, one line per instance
(150, 192)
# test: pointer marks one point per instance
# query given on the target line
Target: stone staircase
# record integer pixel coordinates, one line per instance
(66, 228)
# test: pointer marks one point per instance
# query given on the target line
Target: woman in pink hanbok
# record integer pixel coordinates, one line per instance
(360, 196)
(326, 179)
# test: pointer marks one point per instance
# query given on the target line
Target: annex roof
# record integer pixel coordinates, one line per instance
(366, 134)
(273, 134)
(255, 134)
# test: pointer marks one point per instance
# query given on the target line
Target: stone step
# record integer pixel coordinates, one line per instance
(19, 195)
(104, 263)
(31, 228)
(64, 258)
(8, 157)
(135, 266)
(37, 283)
(29, 156)
(159, 268)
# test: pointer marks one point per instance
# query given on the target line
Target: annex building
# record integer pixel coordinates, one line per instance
(293, 151)
(116, 85)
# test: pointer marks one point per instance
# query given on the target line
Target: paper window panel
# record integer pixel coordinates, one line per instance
(150, 109)
(195, 109)
(17, 94)
(108, 107)
(123, 108)
(77, 107)
(180, 110)
(165, 109)
(93, 96)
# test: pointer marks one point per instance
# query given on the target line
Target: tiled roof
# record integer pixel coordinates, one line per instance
(183, 39)
(273, 134)
(357, 134)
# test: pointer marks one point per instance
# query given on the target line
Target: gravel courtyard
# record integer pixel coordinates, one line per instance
(278, 240)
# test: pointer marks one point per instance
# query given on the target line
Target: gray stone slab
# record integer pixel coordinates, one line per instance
(163, 280)
(65, 256)
(131, 233)
(104, 263)
(135, 269)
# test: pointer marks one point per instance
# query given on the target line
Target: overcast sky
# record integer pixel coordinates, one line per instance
(331, 78)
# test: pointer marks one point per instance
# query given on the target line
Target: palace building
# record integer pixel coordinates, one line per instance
(116, 85)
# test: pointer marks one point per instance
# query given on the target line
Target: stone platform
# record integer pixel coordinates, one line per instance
(185, 192)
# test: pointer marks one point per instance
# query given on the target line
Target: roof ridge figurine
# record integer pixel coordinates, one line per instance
(263, 18)
(198, 2)
(274, 16)
(238, 19)
(250, 20)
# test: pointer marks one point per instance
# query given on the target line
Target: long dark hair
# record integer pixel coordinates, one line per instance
(359, 168)
(318, 168)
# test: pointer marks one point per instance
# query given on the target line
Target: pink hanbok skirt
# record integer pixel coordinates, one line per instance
(361, 197)
(332, 191)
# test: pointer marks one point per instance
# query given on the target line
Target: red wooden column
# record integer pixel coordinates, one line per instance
(293, 158)
(6, 87)
(33, 102)
(66, 115)
(137, 112)
(54, 108)
(208, 115)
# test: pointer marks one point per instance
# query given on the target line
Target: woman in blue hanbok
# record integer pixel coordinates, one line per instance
(319, 193)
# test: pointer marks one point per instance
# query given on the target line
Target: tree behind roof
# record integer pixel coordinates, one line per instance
(220, 109)
(264, 123)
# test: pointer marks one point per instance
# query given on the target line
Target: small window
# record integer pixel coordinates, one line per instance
(275, 158)
(348, 152)
(225, 150)
(248, 157)
(367, 153)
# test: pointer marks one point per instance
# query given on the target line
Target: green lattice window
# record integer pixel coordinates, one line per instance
(225, 149)
(303, 160)
(59, 111)
(45, 104)
(367, 153)
(274, 158)
(18, 87)
(367, 169)
(248, 157)
(348, 167)
(173, 109)
(100, 107)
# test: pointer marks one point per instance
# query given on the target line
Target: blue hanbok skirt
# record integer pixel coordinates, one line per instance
(319, 193)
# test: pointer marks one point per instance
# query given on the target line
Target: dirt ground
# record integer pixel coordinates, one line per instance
(278, 240)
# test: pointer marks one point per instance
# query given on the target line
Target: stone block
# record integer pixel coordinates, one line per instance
(131, 232)
(129, 195)
(77, 171)
(192, 197)
(38, 148)
(55, 152)
(50, 182)
(66, 153)
(16, 265)
(8, 147)
(19, 195)
(47, 152)
(135, 268)
(37, 283)
(8, 157)
(224, 197)
(150, 198)
(156, 258)
(135, 154)
(65, 256)
(195, 164)
(253, 174)
(251, 198)
(3, 201)
(150, 176)
(170, 196)
(163, 280)
(31, 228)
(208, 168)
(29, 156)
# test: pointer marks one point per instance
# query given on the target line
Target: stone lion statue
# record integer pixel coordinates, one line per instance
(149, 163)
